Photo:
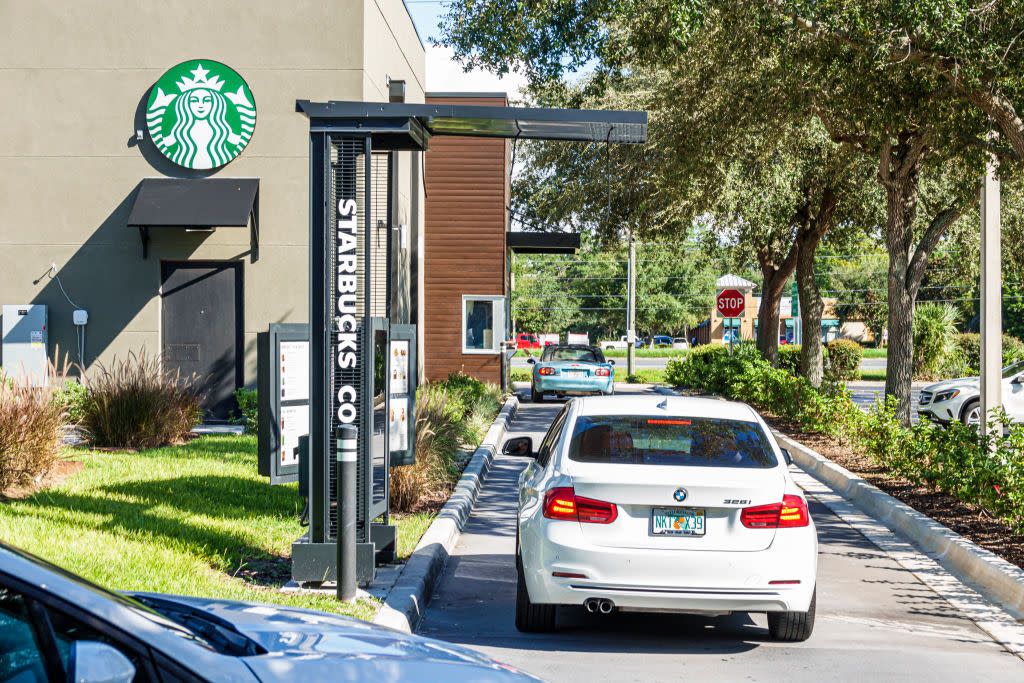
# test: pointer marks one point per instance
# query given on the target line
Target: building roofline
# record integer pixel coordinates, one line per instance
(466, 94)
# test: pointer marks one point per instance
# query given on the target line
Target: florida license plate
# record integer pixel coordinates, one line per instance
(576, 373)
(677, 522)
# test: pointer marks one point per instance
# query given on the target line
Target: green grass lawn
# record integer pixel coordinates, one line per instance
(193, 519)
(876, 353)
(872, 374)
(411, 527)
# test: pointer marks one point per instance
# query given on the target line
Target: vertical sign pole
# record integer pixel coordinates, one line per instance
(347, 447)
(319, 346)
(991, 298)
(631, 308)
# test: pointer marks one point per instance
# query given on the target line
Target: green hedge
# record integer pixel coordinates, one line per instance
(984, 471)
(844, 357)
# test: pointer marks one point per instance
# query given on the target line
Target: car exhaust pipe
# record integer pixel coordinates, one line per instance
(592, 605)
(606, 606)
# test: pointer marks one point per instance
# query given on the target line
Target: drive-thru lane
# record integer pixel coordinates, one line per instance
(876, 621)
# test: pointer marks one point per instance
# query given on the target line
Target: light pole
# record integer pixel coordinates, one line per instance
(631, 307)
(991, 297)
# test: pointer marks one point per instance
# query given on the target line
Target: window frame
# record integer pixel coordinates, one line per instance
(497, 302)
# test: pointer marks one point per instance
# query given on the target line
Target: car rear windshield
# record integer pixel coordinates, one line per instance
(579, 355)
(660, 440)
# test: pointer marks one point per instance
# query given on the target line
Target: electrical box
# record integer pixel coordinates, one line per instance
(26, 342)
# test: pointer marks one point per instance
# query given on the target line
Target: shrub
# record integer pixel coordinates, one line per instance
(248, 404)
(31, 426)
(965, 358)
(843, 360)
(136, 404)
(789, 358)
(934, 338)
(73, 396)
(449, 414)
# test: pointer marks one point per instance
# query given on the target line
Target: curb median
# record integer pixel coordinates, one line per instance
(409, 596)
(996, 579)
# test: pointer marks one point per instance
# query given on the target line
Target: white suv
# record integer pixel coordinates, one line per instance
(959, 399)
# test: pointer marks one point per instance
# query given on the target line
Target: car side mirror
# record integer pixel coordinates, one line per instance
(786, 456)
(94, 662)
(531, 360)
(1019, 379)
(611, 361)
(520, 446)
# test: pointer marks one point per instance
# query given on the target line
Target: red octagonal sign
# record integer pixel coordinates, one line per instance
(730, 303)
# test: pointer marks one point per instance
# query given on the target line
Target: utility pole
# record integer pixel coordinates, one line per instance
(631, 308)
(991, 297)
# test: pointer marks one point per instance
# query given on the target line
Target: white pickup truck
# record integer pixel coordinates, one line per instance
(622, 343)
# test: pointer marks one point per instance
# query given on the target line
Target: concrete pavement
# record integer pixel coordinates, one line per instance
(876, 620)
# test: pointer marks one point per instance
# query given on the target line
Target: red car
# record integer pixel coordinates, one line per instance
(527, 341)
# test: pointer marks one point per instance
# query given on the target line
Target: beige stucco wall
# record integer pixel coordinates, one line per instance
(72, 77)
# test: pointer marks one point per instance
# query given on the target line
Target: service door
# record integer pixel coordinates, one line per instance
(201, 328)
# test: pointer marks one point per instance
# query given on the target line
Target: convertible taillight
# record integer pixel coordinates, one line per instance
(603, 372)
(791, 512)
(563, 503)
(546, 371)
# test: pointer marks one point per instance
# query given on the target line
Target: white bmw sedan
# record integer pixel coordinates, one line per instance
(662, 504)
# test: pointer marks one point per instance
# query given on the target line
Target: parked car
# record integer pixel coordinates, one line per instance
(680, 343)
(55, 626)
(571, 369)
(960, 399)
(621, 343)
(527, 341)
(661, 341)
(654, 503)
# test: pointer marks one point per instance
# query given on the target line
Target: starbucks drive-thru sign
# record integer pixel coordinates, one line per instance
(201, 114)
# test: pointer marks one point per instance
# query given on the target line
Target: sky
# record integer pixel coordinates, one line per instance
(444, 73)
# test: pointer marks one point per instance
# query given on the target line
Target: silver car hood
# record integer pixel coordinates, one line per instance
(961, 383)
(307, 645)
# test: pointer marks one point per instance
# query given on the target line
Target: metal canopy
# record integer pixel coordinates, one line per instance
(195, 203)
(543, 242)
(415, 123)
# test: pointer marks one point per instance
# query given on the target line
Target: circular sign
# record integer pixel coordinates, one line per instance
(200, 114)
(730, 303)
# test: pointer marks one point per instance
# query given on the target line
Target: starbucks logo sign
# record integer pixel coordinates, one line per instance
(201, 114)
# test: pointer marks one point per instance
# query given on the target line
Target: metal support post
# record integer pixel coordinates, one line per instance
(991, 298)
(631, 308)
(346, 541)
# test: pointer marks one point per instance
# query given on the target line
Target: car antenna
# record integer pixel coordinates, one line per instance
(663, 405)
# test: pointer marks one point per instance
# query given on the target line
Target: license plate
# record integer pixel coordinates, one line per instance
(677, 522)
(576, 373)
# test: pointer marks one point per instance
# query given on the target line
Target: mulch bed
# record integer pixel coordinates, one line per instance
(62, 469)
(970, 521)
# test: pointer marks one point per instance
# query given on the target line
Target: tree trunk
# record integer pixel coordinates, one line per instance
(811, 304)
(898, 174)
(774, 282)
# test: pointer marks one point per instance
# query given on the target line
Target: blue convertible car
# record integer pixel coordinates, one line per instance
(571, 369)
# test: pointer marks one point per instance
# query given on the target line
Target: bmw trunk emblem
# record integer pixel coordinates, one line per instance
(680, 494)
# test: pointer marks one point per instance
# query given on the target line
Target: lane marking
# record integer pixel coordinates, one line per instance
(1002, 627)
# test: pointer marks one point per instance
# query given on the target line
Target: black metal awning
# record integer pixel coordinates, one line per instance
(543, 242)
(191, 203)
(411, 125)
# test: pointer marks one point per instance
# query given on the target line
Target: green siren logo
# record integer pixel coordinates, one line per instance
(201, 114)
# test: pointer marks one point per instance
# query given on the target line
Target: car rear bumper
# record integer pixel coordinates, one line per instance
(669, 580)
(558, 383)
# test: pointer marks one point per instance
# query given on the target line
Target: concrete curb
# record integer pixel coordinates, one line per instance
(409, 596)
(996, 579)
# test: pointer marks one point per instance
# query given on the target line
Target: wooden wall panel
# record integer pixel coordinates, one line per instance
(467, 189)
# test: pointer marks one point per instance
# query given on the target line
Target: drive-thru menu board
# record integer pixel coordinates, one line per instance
(399, 411)
(283, 392)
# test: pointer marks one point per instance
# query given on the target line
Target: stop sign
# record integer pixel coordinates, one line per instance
(730, 303)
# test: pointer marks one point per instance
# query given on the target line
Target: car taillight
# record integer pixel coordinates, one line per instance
(563, 503)
(791, 512)
(603, 372)
(546, 371)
